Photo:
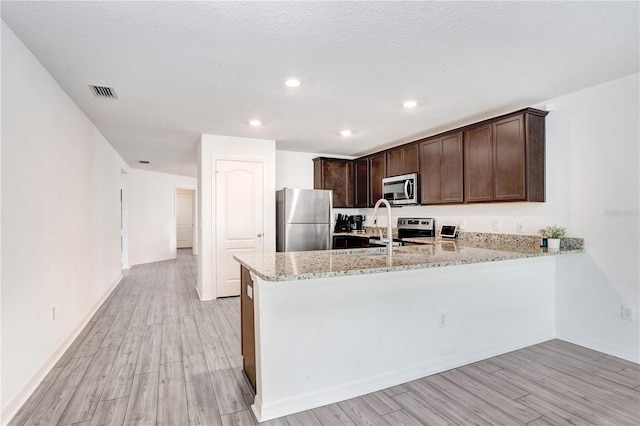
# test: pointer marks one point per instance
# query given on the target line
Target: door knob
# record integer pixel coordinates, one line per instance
(259, 235)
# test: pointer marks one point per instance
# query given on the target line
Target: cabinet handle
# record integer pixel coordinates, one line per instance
(259, 234)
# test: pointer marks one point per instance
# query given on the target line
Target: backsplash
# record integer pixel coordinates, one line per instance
(480, 217)
(513, 241)
(495, 241)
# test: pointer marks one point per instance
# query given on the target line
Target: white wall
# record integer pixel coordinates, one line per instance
(384, 329)
(152, 214)
(600, 127)
(211, 148)
(60, 221)
(592, 188)
(292, 168)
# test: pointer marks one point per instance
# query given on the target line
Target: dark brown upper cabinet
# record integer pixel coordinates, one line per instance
(441, 171)
(402, 160)
(361, 182)
(504, 158)
(337, 175)
(377, 171)
(499, 159)
(478, 164)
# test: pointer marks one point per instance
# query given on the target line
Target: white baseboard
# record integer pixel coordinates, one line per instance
(204, 296)
(283, 407)
(145, 262)
(600, 346)
(18, 400)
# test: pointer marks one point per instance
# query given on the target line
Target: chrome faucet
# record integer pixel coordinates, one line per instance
(389, 240)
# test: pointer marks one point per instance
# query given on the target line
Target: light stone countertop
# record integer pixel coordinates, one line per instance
(435, 253)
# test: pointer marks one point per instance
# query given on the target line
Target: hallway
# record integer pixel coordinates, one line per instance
(144, 358)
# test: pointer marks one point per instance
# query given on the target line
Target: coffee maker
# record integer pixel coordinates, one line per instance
(356, 223)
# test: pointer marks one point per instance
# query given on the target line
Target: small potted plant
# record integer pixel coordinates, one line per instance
(553, 235)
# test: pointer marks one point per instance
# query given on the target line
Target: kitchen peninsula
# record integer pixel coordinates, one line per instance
(324, 326)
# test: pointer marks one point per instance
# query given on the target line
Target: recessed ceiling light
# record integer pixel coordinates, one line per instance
(292, 82)
(255, 123)
(345, 133)
(143, 161)
(409, 103)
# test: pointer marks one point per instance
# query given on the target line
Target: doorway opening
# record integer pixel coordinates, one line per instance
(186, 219)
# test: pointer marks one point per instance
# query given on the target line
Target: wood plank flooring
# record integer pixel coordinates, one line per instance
(154, 354)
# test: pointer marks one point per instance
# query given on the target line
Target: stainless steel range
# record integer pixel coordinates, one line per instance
(410, 227)
(414, 227)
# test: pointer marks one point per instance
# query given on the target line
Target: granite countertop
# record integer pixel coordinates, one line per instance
(432, 252)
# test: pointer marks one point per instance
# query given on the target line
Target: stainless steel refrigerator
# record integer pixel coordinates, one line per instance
(303, 219)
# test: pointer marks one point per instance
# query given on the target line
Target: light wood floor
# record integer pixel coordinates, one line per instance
(155, 354)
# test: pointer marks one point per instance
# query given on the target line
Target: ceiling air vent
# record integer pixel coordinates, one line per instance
(103, 92)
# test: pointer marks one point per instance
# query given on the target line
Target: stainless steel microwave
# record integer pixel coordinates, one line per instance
(401, 190)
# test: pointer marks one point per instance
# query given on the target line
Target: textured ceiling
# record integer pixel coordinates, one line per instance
(185, 68)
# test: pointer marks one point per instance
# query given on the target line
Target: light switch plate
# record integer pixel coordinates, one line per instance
(250, 292)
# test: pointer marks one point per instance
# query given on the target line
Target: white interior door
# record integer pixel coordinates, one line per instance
(239, 219)
(184, 218)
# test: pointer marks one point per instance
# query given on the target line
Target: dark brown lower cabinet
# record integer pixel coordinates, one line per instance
(248, 335)
(349, 242)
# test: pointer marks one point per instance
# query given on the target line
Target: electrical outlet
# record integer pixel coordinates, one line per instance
(520, 226)
(495, 225)
(462, 224)
(626, 313)
(442, 320)
(53, 313)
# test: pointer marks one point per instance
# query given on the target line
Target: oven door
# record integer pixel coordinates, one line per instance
(401, 190)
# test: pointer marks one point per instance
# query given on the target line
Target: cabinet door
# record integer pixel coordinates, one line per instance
(361, 182)
(247, 327)
(377, 171)
(451, 188)
(478, 164)
(394, 162)
(410, 159)
(430, 168)
(334, 174)
(441, 170)
(402, 160)
(509, 158)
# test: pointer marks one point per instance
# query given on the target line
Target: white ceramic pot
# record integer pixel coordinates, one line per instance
(553, 244)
